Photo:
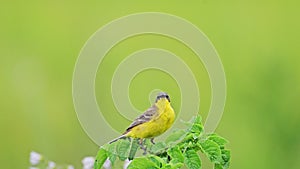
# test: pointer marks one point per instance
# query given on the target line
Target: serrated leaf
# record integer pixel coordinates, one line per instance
(147, 142)
(122, 149)
(158, 147)
(198, 119)
(212, 151)
(192, 159)
(111, 152)
(188, 137)
(197, 126)
(175, 136)
(177, 165)
(218, 166)
(173, 166)
(168, 166)
(133, 149)
(142, 162)
(100, 158)
(226, 158)
(157, 160)
(176, 155)
(198, 146)
(218, 139)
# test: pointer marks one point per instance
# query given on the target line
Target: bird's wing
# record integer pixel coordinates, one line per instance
(145, 117)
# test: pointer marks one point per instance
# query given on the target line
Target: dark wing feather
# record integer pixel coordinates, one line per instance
(145, 117)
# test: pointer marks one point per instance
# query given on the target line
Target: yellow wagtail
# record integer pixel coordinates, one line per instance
(153, 122)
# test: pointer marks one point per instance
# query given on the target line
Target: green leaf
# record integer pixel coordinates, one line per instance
(177, 165)
(111, 152)
(188, 137)
(173, 166)
(218, 166)
(157, 160)
(192, 159)
(175, 136)
(100, 158)
(197, 126)
(142, 163)
(123, 149)
(176, 155)
(217, 139)
(197, 119)
(212, 151)
(158, 147)
(168, 166)
(147, 142)
(198, 147)
(133, 148)
(226, 158)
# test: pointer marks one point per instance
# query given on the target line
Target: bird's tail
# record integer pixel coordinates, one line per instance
(116, 139)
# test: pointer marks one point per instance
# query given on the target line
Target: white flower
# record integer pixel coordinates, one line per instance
(51, 165)
(35, 158)
(126, 163)
(107, 164)
(70, 167)
(33, 168)
(88, 162)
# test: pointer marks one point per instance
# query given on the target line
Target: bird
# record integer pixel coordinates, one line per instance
(153, 122)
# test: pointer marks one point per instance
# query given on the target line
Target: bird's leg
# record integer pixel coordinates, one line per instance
(141, 142)
(152, 141)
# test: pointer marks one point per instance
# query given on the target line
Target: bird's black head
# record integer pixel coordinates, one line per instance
(162, 95)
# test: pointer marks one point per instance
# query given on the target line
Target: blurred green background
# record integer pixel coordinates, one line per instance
(258, 43)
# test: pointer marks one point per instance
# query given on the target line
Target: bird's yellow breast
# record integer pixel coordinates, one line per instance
(156, 126)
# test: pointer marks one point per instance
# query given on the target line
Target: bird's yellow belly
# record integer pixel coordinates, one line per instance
(154, 127)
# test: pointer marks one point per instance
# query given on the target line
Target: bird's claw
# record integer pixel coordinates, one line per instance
(152, 141)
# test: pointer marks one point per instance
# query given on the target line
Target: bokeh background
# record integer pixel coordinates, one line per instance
(258, 43)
